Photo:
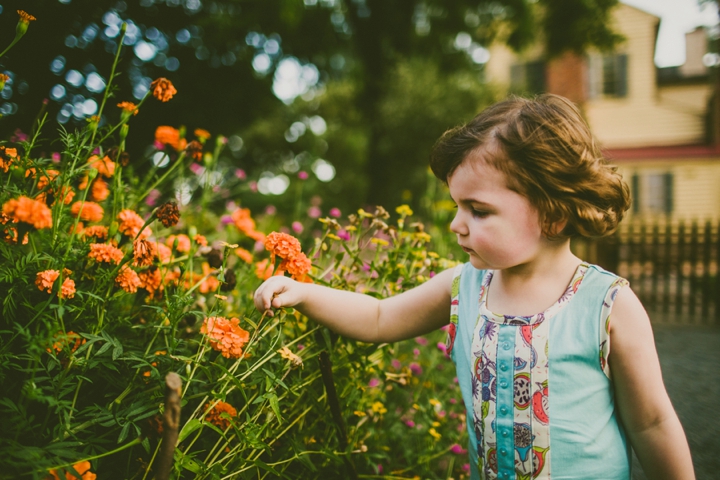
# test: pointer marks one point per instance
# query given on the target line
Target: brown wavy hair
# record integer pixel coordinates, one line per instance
(547, 153)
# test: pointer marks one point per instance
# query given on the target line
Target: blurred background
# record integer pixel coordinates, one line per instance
(343, 99)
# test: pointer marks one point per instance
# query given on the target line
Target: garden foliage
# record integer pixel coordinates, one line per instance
(107, 285)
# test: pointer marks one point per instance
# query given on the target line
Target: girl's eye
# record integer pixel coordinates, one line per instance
(480, 213)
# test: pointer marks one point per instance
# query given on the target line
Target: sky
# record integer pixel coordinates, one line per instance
(677, 17)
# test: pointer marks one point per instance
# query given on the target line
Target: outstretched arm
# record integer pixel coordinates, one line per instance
(362, 317)
(645, 409)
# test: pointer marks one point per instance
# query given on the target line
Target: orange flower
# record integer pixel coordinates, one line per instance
(194, 150)
(298, 267)
(45, 279)
(30, 211)
(102, 252)
(170, 136)
(200, 240)
(151, 280)
(283, 245)
(99, 190)
(131, 223)
(264, 269)
(97, 231)
(202, 134)
(225, 335)
(144, 252)
(245, 255)
(79, 229)
(25, 17)
(168, 214)
(105, 167)
(243, 221)
(129, 107)
(163, 252)
(67, 290)
(7, 155)
(128, 279)
(83, 468)
(163, 89)
(215, 416)
(89, 211)
(66, 193)
(63, 341)
(183, 242)
(211, 283)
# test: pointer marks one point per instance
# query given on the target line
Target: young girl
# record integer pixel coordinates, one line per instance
(555, 357)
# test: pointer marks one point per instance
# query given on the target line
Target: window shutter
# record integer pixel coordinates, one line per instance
(669, 193)
(635, 193)
(621, 81)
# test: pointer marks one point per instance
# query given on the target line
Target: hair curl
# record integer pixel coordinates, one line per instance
(547, 153)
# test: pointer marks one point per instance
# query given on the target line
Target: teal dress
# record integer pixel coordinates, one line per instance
(537, 389)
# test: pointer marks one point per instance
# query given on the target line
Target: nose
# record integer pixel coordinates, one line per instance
(458, 226)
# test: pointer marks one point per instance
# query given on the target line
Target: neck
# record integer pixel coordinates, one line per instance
(554, 261)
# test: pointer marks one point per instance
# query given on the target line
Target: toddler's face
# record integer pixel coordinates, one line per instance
(497, 227)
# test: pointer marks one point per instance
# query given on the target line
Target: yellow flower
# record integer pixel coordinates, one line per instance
(433, 255)
(404, 211)
(379, 241)
(378, 407)
(288, 355)
(333, 236)
(365, 214)
(358, 413)
(434, 433)
(434, 402)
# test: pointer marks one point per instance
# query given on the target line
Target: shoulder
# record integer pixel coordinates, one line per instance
(629, 317)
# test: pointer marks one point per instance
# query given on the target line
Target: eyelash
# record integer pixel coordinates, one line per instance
(479, 213)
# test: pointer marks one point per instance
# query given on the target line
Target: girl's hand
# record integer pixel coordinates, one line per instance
(277, 292)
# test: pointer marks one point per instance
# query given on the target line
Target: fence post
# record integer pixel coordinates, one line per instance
(171, 423)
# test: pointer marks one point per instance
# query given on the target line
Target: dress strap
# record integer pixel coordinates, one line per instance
(612, 292)
(454, 308)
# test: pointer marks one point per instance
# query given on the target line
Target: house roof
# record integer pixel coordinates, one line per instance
(672, 152)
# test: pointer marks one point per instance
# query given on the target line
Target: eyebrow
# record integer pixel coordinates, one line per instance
(466, 201)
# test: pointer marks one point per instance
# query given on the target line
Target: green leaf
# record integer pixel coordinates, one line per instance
(189, 428)
(275, 405)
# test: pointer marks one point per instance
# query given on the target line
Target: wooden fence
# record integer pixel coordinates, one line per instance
(672, 266)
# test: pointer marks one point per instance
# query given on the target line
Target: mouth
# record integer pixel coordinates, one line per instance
(466, 250)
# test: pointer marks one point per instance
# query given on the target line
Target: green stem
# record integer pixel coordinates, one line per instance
(179, 161)
(95, 457)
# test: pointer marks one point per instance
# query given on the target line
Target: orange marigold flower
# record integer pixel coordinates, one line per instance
(298, 267)
(200, 240)
(151, 280)
(98, 232)
(245, 255)
(7, 155)
(88, 211)
(170, 136)
(202, 134)
(194, 150)
(128, 279)
(25, 17)
(65, 193)
(99, 190)
(243, 221)
(163, 89)
(30, 211)
(3, 78)
(67, 289)
(264, 269)
(104, 166)
(131, 223)
(128, 107)
(83, 468)
(215, 416)
(45, 279)
(63, 341)
(168, 214)
(283, 245)
(102, 252)
(225, 335)
(183, 242)
(144, 252)
(164, 252)
(210, 282)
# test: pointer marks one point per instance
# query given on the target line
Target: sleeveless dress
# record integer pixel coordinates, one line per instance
(537, 388)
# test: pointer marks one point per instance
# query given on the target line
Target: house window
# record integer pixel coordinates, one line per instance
(608, 75)
(652, 193)
(528, 78)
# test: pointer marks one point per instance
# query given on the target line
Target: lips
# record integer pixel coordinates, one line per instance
(466, 250)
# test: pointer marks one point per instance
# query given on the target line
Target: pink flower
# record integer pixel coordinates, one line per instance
(158, 145)
(442, 347)
(466, 467)
(240, 173)
(445, 328)
(453, 401)
(302, 175)
(253, 187)
(458, 450)
(421, 341)
(455, 380)
(314, 212)
(19, 136)
(409, 423)
(344, 234)
(415, 368)
(297, 227)
(432, 274)
(379, 468)
(374, 382)
(441, 413)
(396, 364)
(196, 168)
(300, 346)
(226, 220)
(335, 212)
(366, 267)
(270, 210)
(56, 157)
(416, 352)
(152, 197)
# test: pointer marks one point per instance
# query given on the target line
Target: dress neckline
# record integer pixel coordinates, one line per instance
(551, 311)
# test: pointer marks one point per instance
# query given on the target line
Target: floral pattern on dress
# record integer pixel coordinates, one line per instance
(612, 292)
(454, 306)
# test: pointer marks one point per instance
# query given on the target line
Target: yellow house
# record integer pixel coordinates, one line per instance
(655, 124)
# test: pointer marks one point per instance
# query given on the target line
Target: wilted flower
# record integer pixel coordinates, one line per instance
(225, 335)
(27, 210)
(102, 252)
(162, 89)
(128, 279)
(168, 214)
(295, 360)
(194, 150)
(131, 223)
(215, 416)
(88, 211)
(23, 22)
(44, 280)
(144, 252)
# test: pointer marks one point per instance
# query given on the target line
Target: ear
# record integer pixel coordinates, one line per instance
(554, 228)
